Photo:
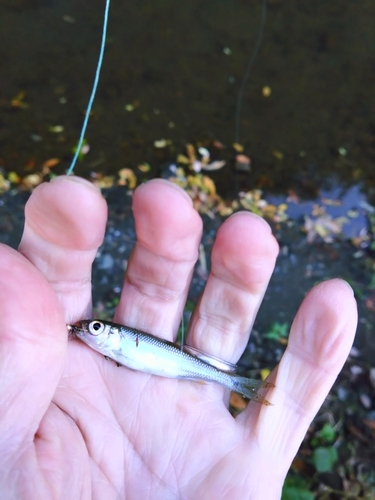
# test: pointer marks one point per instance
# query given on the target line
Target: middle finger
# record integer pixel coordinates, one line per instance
(160, 268)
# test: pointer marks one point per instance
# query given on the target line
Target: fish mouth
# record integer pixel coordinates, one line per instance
(78, 328)
(70, 329)
(73, 330)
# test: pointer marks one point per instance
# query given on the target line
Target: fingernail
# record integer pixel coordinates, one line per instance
(76, 179)
(169, 184)
(254, 216)
(345, 283)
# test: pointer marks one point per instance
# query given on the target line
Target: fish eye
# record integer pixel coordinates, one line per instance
(96, 327)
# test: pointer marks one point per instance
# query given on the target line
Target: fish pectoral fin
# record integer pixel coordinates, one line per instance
(265, 385)
(260, 399)
(196, 380)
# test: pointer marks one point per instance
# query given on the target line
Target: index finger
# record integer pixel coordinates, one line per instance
(64, 226)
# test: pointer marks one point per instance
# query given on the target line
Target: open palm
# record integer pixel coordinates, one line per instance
(74, 425)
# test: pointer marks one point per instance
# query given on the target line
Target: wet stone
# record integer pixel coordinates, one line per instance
(106, 262)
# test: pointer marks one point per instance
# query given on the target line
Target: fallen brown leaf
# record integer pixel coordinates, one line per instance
(237, 402)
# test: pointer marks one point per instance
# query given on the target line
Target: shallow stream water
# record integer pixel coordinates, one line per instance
(180, 66)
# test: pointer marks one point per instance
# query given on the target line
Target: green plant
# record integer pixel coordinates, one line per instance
(324, 455)
(327, 434)
(81, 153)
(324, 458)
(295, 488)
(189, 307)
(372, 282)
(277, 331)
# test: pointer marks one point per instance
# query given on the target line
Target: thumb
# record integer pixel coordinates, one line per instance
(33, 339)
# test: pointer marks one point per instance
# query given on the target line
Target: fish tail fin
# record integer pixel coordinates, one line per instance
(248, 387)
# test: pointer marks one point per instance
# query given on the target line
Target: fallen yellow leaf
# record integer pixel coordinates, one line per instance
(14, 178)
(127, 178)
(238, 147)
(209, 185)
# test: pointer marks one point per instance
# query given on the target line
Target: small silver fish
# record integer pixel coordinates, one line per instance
(144, 352)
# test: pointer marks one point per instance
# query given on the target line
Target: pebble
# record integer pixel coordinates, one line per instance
(105, 262)
(365, 401)
(342, 393)
(372, 377)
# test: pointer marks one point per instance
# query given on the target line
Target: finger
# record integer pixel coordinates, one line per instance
(65, 224)
(160, 269)
(319, 343)
(243, 259)
(33, 340)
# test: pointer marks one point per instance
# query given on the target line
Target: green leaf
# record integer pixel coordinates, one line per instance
(296, 488)
(277, 330)
(372, 282)
(327, 432)
(324, 458)
(296, 493)
(189, 306)
(80, 154)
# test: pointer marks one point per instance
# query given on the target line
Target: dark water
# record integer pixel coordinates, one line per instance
(168, 59)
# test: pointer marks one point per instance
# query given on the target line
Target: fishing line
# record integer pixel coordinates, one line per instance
(99, 66)
(248, 69)
(93, 92)
(182, 331)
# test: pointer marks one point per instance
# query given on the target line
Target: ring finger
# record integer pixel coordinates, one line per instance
(242, 263)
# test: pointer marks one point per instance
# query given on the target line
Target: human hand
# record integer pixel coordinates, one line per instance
(75, 426)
